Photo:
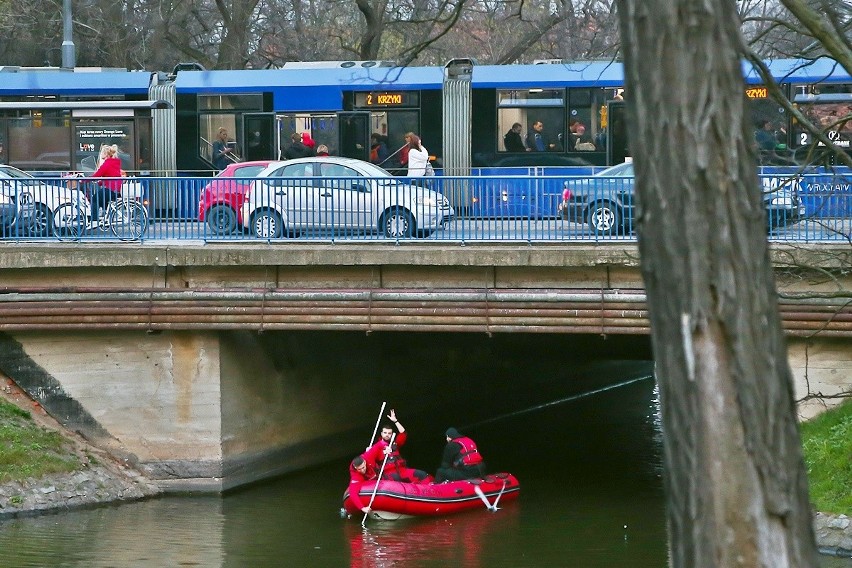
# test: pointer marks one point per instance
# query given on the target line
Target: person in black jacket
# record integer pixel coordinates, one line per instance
(297, 149)
(461, 459)
(513, 141)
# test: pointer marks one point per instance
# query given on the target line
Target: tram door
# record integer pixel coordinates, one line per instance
(259, 135)
(617, 149)
(354, 135)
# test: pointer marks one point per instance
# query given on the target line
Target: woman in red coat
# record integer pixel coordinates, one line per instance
(106, 190)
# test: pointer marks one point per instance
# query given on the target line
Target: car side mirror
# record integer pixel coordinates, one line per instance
(360, 187)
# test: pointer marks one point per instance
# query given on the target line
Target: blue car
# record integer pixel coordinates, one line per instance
(606, 202)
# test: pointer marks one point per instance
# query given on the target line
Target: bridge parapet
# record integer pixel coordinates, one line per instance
(549, 288)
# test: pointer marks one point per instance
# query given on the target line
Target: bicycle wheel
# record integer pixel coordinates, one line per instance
(128, 220)
(68, 222)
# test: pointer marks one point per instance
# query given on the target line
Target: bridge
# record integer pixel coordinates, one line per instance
(209, 365)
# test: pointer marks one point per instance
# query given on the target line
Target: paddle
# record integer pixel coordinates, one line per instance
(497, 500)
(376, 429)
(478, 491)
(378, 479)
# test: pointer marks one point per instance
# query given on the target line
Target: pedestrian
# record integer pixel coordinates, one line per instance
(308, 141)
(395, 467)
(461, 459)
(360, 471)
(322, 151)
(418, 157)
(297, 148)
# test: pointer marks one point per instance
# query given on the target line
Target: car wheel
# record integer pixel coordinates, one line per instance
(267, 224)
(604, 218)
(221, 219)
(40, 224)
(398, 224)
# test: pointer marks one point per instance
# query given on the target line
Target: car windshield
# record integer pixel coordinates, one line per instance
(242, 172)
(621, 170)
(14, 173)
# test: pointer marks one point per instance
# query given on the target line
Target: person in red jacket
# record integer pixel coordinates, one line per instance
(461, 459)
(360, 471)
(395, 467)
(106, 190)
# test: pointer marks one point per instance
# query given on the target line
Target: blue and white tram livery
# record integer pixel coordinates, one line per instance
(568, 118)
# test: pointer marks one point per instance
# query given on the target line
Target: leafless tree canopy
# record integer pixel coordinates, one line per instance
(229, 34)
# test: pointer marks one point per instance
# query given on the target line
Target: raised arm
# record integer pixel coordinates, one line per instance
(392, 418)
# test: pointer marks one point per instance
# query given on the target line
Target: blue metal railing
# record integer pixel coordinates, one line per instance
(800, 207)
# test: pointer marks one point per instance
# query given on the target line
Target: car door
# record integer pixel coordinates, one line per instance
(346, 196)
(292, 191)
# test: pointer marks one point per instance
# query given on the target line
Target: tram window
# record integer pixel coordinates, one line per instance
(587, 119)
(208, 131)
(144, 159)
(832, 117)
(247, 102)
(323, 129)
(40, 143)
(528, 107)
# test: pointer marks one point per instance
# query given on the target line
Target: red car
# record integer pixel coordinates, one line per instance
(222, 199)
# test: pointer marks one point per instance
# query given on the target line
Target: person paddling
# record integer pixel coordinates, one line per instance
(360, 471)
(396, 468)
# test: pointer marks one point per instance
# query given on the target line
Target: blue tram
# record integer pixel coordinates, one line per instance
(563, 113)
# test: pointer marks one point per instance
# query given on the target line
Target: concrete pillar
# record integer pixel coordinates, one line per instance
(821, 367)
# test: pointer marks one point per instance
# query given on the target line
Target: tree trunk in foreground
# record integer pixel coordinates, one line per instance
(736, 483)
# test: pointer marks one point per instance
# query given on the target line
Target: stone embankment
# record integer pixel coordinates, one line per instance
(834, 534)
(94, 485)
(100, 478)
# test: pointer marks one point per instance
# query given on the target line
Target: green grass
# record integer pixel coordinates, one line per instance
(28, 450)
(827, 444)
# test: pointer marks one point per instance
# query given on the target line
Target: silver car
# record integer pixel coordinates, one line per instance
(45, 201)
(336, 195)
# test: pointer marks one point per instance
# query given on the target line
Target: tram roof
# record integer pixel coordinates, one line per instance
(574, 74)
(309, 89)
(67, 83)
(611, 73)
(822, 70)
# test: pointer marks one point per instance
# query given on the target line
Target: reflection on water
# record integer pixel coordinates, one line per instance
(591, 496)
(463, 540)
(161, 532)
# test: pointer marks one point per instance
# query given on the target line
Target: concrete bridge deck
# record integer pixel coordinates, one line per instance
(153, 350)
(489, 288)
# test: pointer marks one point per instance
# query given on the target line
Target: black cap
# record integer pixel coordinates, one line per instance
(452, 433)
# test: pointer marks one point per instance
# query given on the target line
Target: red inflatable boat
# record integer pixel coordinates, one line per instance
(395, 499)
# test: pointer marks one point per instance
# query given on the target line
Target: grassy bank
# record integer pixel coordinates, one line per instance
(827, 444)
(28, 449)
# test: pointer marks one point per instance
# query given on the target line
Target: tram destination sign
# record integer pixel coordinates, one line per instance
(757, 92)
(374, 99)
